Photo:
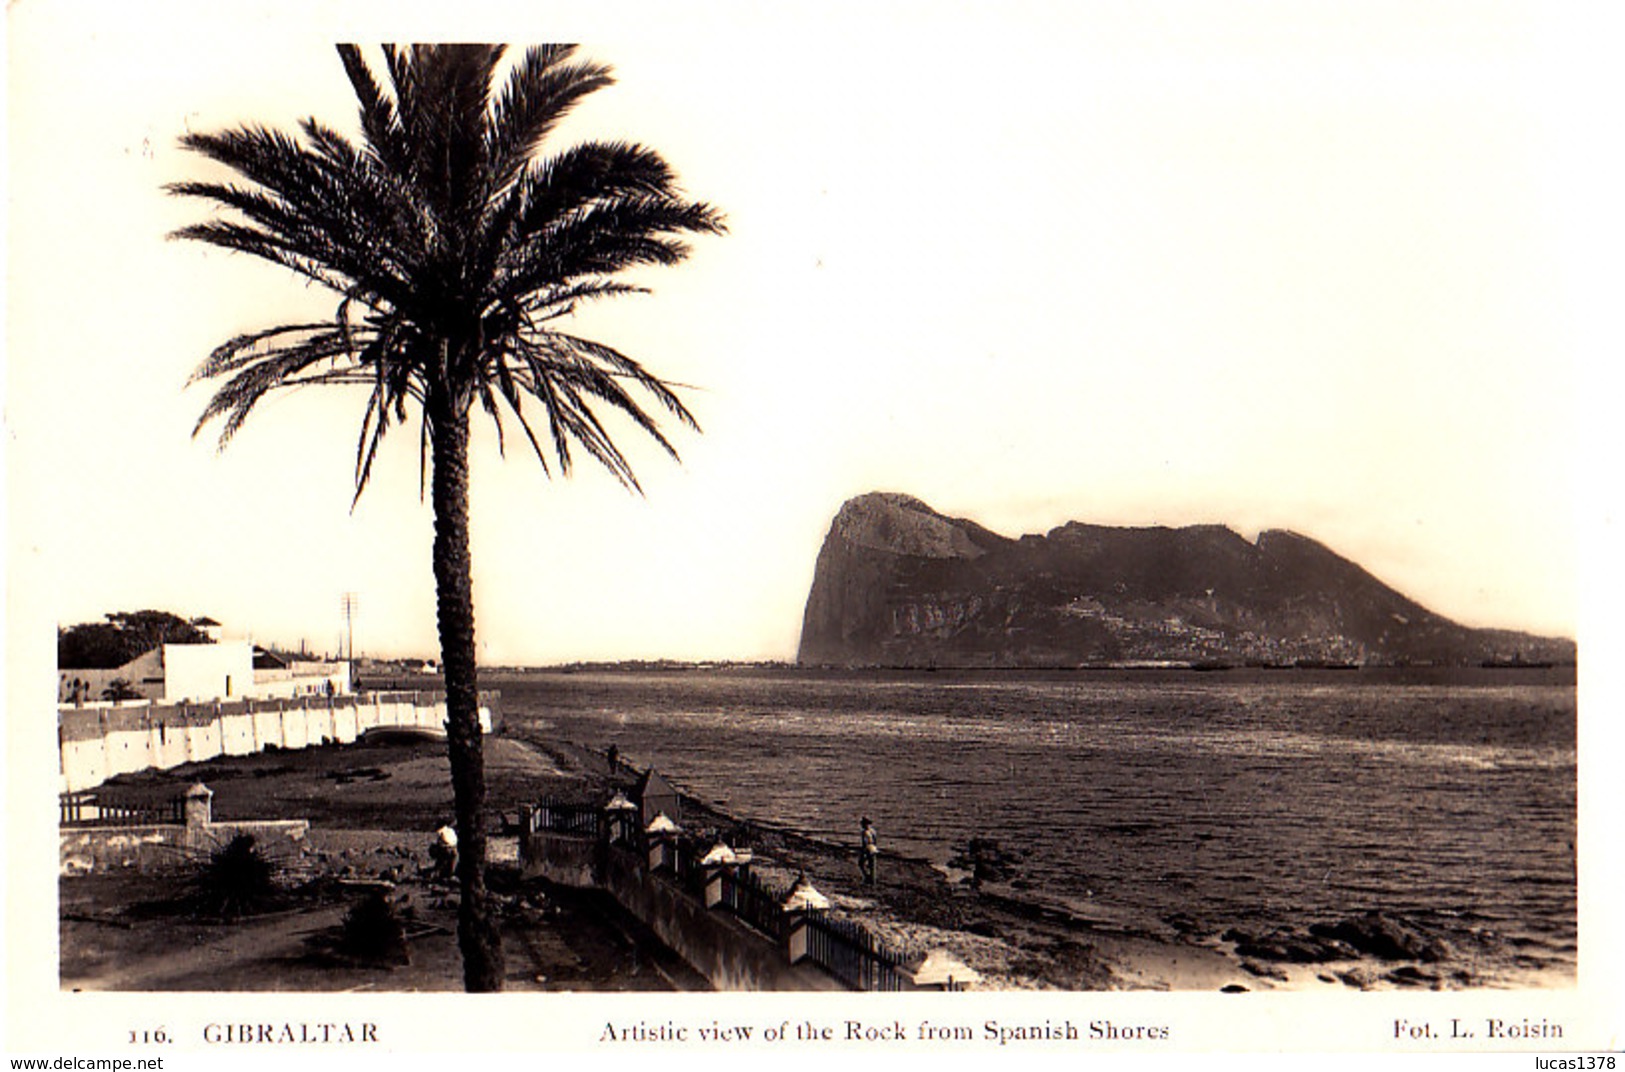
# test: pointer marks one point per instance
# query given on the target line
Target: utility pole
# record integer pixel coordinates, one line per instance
(352, 603)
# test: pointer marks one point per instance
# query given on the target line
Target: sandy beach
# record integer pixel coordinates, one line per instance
(372, 808)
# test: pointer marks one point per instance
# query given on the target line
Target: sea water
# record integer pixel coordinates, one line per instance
(1256, 800)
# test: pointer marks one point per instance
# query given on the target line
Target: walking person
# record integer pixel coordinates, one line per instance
(868, 852)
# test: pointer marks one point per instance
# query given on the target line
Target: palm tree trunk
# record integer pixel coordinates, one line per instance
(478, 936)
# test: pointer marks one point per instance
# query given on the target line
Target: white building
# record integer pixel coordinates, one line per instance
(227, 670)
(279, 676)
(221, 671)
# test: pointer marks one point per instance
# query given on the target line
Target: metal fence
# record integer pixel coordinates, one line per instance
(844, 948)
(91, 809)
(850, 953)
(566, 817)
(754, 902)
(686, 856)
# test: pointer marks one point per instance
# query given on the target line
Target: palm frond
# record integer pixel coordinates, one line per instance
(541, 90)
(608, 237)
(375, 199)
(379, 120)
(561, 376)
(374, 423)
(598, 384)
(622, 365)
(453, 251)
(242, 239)
(554, 303)
(239, 350)
(322, 213)
(590, 432)
(588, 173)
(278, 368)
(517, 404)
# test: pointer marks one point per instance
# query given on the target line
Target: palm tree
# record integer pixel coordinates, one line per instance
(455, 251)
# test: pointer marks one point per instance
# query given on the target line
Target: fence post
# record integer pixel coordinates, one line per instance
(798, 903)
(796, 936)
(199, 811)
(527, 820)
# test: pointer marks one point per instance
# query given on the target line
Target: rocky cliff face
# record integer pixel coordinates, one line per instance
(898, 584)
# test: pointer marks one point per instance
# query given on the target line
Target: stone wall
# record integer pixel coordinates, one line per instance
(165, 847)
(729, 954)
(97, 743)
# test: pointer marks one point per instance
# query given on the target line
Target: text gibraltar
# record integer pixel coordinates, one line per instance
(290, 1033)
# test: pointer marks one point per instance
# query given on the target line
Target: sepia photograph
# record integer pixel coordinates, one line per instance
(1006, 530)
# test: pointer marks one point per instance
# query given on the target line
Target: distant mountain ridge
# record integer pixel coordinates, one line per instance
(898, 584)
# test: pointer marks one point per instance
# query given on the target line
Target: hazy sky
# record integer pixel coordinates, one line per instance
(1268, 265)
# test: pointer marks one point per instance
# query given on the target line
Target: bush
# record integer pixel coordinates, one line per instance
(236, 879)
(373, 931)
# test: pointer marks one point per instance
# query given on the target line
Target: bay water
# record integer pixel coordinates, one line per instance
(1257, 799)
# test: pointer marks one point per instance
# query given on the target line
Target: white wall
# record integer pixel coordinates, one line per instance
(145, 675)
(198, 672)
(303, 679)
(223, 671)
(99, 742)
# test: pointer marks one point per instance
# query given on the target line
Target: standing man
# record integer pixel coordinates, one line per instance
(868, 852)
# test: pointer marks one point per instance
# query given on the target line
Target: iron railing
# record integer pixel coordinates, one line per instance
(566, 817)
(91, 809)
(844, 948)
(754, 902)
(849, 952)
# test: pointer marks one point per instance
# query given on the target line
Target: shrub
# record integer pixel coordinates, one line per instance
(236, 879)
(373, 931)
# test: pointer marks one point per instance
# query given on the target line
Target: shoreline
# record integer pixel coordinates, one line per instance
(391, 797)
(1023, 938)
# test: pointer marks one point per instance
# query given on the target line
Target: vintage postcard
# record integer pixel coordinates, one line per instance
(812, 532)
